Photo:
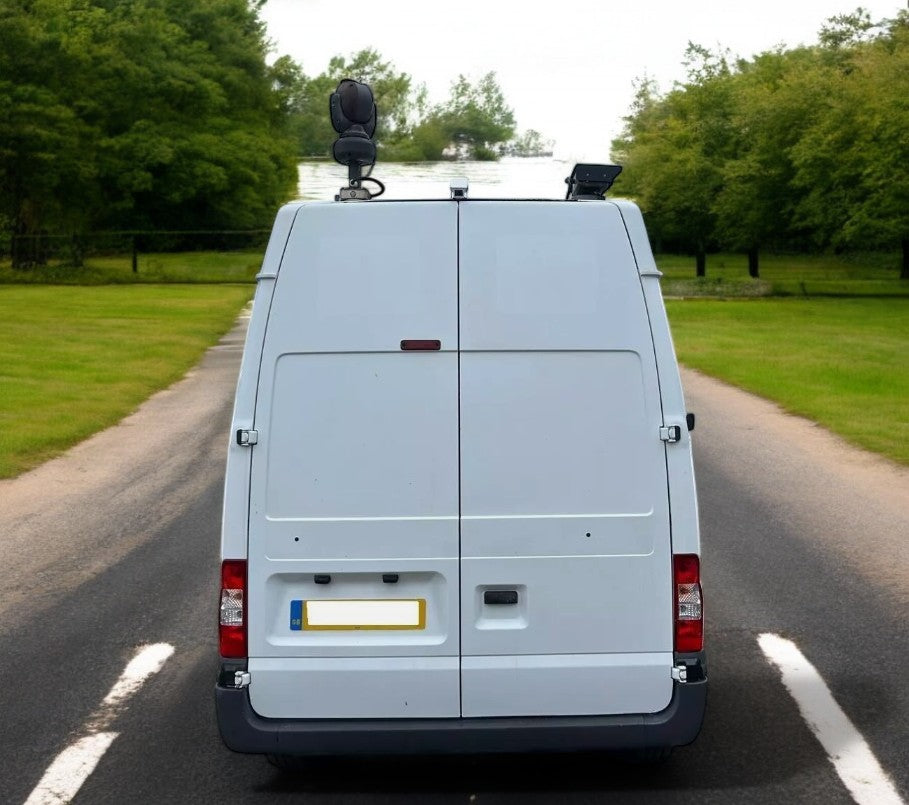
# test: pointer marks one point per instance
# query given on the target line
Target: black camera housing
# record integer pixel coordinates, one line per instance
(353, 115)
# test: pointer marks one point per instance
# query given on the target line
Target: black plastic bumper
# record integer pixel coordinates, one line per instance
(242, 730)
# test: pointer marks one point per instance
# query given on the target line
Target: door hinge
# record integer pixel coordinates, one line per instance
(241, 679)
(680, 673)
(247, 438)
(671, 433)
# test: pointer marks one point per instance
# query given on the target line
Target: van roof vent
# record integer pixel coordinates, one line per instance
(590, 181)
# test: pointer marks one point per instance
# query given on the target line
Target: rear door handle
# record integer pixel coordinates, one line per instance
(500, 597)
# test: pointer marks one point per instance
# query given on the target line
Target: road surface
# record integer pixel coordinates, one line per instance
(114, 546)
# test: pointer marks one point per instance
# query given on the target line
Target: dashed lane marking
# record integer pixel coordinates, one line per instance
(73, 766)
(846, 749)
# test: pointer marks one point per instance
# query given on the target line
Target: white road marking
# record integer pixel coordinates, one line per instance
(70, 769)
(73, 766)
(846, 749)
(147, 661)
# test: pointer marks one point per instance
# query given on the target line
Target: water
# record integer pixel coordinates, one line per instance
(511, 177)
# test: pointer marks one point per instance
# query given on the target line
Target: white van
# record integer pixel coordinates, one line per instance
(459, 509)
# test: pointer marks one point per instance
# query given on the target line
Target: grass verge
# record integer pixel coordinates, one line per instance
(75, 360)
(839, 362)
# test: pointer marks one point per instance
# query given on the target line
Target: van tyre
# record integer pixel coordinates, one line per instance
(291, 763)
(650, 755)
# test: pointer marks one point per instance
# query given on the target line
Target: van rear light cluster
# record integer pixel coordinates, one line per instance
(232, 620)
(689, 605)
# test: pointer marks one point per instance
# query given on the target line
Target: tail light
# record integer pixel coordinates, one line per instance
(232, 621)
(689, 605)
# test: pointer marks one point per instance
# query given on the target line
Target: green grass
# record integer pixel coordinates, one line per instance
(76, 360)
(868, 274)
(179, 267)
(843, 363)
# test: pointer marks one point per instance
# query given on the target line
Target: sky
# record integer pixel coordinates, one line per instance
(566, 68)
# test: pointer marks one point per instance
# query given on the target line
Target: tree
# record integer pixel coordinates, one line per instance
(42, 138)
(530, 144)
(793, 148)
(674, 148)
(392, 90)
(844, 31)
(853, 162)
(206, 147)
(396, 99)
(473, 121)
(136, 114)
(775, 95)
(476, 118)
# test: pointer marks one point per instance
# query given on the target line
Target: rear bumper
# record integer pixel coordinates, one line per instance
(242, 730)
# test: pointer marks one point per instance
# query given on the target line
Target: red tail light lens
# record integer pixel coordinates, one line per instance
(689, 604)
(232, 620)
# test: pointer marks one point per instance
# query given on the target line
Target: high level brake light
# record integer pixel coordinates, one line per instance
(232, 621)
(689, 606)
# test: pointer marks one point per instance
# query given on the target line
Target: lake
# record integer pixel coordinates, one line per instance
(511, 177)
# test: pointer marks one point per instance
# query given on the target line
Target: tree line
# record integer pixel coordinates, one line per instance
(475, 122)
(151, 115)
(794, 149)
(138, 114)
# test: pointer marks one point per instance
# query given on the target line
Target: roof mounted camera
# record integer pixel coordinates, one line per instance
(590, 181)
(353, 116)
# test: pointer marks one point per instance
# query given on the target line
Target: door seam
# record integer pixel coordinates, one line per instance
(460, 583)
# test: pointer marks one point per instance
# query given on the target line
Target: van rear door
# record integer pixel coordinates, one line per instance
(353, 579)
(565, 550)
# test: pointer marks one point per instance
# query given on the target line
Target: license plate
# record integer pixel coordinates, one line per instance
(407, 613)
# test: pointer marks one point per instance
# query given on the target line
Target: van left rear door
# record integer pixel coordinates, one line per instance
(353, 574)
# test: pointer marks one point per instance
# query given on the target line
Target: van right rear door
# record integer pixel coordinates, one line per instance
(565, 551)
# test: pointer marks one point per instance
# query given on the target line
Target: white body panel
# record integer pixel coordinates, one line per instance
(522, 456)
(358, 435)
(362, 687)
(579, 684)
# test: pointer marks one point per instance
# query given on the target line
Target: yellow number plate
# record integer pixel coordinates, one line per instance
(364, 614)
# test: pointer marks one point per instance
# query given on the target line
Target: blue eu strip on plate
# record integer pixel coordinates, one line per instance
(296, 616)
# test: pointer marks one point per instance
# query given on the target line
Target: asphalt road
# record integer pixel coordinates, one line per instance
(115, 545)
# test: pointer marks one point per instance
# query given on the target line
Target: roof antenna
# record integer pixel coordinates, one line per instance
(353, 116)
(590, 181)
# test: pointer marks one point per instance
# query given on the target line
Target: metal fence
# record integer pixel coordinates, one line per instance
(37, 249)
